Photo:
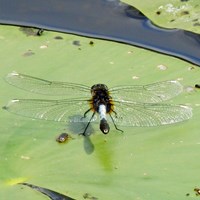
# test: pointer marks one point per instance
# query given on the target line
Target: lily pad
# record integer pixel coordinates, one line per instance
(182, 14)
(142, 163)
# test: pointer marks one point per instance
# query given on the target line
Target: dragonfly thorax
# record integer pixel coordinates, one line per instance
(100, 95)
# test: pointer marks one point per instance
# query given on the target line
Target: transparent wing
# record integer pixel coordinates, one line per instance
(144, 114)
(56, 110)
(37, 85)
(151, 93)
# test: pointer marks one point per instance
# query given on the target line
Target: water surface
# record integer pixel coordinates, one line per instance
(104, 19)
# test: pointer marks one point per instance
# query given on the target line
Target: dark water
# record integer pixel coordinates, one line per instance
(53, 195)
(105, 19)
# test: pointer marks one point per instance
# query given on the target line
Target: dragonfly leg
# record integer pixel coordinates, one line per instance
(84, 133)
(114, 122)
(84, 116)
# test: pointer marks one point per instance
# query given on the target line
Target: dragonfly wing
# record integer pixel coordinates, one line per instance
(37, 85)
(56, 110)
(151, 93)
(153, 114)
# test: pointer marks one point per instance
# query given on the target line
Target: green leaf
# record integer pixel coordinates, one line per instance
(182, 14)
(142, 163)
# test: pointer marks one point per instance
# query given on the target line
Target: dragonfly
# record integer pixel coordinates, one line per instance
(129, 105)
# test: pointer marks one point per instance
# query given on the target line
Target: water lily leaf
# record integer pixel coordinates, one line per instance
(142, 163)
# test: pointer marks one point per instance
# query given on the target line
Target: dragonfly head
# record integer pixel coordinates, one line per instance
(98, 88)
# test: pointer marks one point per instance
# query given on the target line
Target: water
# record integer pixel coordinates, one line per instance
(105, 19)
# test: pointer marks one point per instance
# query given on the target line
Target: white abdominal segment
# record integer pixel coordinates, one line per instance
(102, 112)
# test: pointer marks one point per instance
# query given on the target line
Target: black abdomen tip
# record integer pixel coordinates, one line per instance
(104, 127)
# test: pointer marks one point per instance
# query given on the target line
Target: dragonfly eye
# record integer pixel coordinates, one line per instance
(99, 88)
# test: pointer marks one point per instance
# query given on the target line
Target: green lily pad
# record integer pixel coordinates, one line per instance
(182, 14)
(142, 163)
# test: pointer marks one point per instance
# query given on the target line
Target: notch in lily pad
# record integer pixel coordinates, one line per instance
(53, 195)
